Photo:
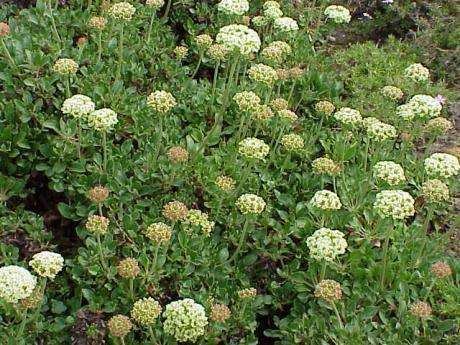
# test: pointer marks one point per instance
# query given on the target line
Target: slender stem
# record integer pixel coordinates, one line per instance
(152, 18)
(120, 51)
(152, 335)
(90, 4)
(101, 254)
(53, 23)
(131, 288)
(214, 80)
(198, 65)
(79, 139)
(168, 7)
(7, 52)
(385, 257)
(104, 150)
(99, 46)
(22, 325)
(336, 311)
(426, 227)
(366, 152)
(429, 289)
(67, 86)
(242, 239)
(100, 208)
(122, 341)
(323, 270)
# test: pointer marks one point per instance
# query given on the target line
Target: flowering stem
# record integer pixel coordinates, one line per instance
(22, 325)
(78, 138)
(214, 80)
(120, 51)
(67, 86)
(366, 153)
(53, 23)
(337, 314)
(229, 84)
(385, 257)
(152, 18)
(242, 239)
(131, 288)
(101, 255)
(168, 7)
(7, 53)
(291, 91)
(426, 227)
(99, 46)
(104, 150)
(200, 58)
(122, 341)
(323, 270)
(428, 292)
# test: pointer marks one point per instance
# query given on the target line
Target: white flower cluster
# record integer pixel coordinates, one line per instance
(122, 11)
(396, 204)
(276, 52)
(155, 4)
(285, 24)
(233, 7)
(161, 101)
(380, 131)
(442, 165)
(292, 142)
(348, 116)
(263, 74)
(253, 148)
(389, 172)
(421, 106)
(16, 283)
(417, 72)
(338, 14)
(435, 191)
(185, 320)
(326, 200)
(250, 204)
(288, 115)
(47, 264)
(326, 244)
(246, 100)
(102, 119)
(197, 218)
(272, 10)
(239, 38)
(78, 106)
(392, 92)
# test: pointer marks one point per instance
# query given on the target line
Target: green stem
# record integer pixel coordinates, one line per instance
(385, 257)
(22, 325)
(99, 46)
(242, 239)
(101, 254)
(104, 150)
(426, 226)
(197, 65)
(79, 134)
(366, 152)
(429, 289)
(152, 18)
(214, 80)
(120, 51)
(168, 7)
(122, 341)
(67, 86)
(131, 288)
(53, 23)
(7, 52)
(323, 271)
(336, 311)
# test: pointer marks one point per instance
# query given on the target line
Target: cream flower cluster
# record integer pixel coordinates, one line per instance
(122, 11)
(146, 311)
(285, 24)
(279, 104)
(438, 125)
(259, 21)
(16, 283)
(380, 131)
(276, 52)
(435, 191)
(272, 10)
(288, 115)
(263, 74)
(239, 38)
(395, 204)
(225, 183)
(180, 52)
(253, 148)
(348, 116)
(421, 106)
(246, 100)
(262, 113)
(158, 232)
(65, 66)
(417, 72)
(250, 204)
(392, 92)
(155, 4)
(218, 52)
(203, 41)
(325, 165)
(185, 320)
(233, 7)
(328, 290)
(198, 218)
(78, 106)
(102, 119)
(47, 264)
(389, 172)
(292, 142)
(326, 244)
(338, 14)
(326, 200)
(324, 107)
(442, 165)
(97, 225)
(161, 101)
(98, 23)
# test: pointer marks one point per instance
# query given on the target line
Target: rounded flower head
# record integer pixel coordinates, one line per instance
(122, 11)
(155, 4)
(161, 101)
(246, 100)
(97, 23)
(279, 104)
(328, 290)
(325, 107)
(338, 14)
(203, 41)
(395, 204)
(47, 264)
(296, 72)
(292, 142)
(102, 120)
(406, 112)
(158, 232)
(239, 38)
(146, 311)
(78, 106)
(34, 300)
(128, 268)
(98, 194)
(262, 113)
(276, 52)
(442, 165)
(199, 219)
(389, 172)
(417, 72)
(247, 293)
(233, 7)
(177, 154)
(225, 183)
(326, 244)
(185, 320)
(420, 309)
(288, 115)
(119, 326)
(4, 29)
(253, 148)
(271, 4)
(380, 131)
(250, 204)
(259, 21)
(220, 313)
(392, 92)
(180, 52)
(65, 66)
(97, 225)
(218, 52)
(348, 116)
(16, 283)
(263, 74)
(326, 200)
(272, 12)
(435, 191)
(175, 210)
(425, 106)
(441, 269)
(438, 126)
(326, 166)
(285, 24)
